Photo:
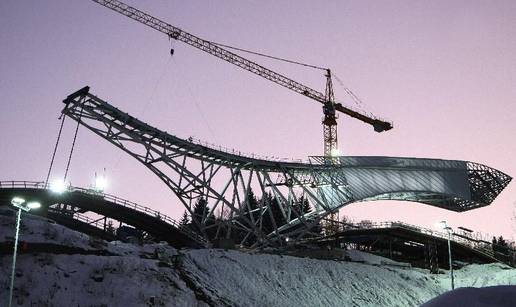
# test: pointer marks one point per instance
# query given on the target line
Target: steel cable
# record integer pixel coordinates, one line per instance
(55, 149)
(73, 145)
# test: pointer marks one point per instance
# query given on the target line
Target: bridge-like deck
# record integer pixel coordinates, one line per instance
(420, 246)
(160, 226)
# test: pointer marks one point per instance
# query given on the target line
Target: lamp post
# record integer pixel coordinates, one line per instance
(449, 230)
(21, 204)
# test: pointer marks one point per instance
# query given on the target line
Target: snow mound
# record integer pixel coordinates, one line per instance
(37, 229)
(482, 275)
(241, 279)
(359, 256)
(497, 296)
(89, 280)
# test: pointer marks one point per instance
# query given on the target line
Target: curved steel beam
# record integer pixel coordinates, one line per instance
(224, 179)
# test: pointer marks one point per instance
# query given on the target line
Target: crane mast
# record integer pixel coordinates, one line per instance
(328, 99)
(330, 120)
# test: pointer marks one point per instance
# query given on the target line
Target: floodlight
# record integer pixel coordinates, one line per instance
(443, 225)
(440, 225)
(17, 201)
(34, 205)
(58, 186)
(20, 203)
(100, 183)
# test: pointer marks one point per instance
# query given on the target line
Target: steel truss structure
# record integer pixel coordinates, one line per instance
(227, 181)
(67, 208)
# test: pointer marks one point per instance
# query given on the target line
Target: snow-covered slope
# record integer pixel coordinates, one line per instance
(98, 273)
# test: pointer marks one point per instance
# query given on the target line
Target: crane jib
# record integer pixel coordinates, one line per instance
(213, 49)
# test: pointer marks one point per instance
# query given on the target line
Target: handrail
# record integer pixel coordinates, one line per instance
(242, 153)
(478, 245)
(83, 218)
(111, 198)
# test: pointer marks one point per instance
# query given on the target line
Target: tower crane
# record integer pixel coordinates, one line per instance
(330, 106)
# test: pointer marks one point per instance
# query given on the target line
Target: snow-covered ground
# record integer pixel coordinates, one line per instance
(99, 273)
(495, 296)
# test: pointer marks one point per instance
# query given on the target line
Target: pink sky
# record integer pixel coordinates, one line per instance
(442, 71)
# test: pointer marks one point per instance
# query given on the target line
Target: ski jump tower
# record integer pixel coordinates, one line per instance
(224, 179)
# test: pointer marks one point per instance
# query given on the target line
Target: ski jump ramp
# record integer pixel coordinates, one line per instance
(258, 200)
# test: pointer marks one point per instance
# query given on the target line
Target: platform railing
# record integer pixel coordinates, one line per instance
(84, 218)
(111, 198)
(478, 245)
(242, 153)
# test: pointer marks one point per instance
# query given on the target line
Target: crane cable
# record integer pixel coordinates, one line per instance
(270, 56)
(55, 149)
(354, 97)
(360, 104)
(73, 145)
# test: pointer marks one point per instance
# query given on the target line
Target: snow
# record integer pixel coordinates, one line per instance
(496, 296)
(159, 275)
(272, 280)
(40, 230)
(359, 256)
(476, 275)
(86, 280)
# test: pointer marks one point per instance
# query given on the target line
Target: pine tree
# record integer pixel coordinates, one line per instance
(305, 208)
(305, 205)
(199, 210)
(250, 206)
(184, 220)
(273, 213)
(200, 219)
(249, 214)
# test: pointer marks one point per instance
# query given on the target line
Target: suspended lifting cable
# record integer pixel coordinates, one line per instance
(149, 101)
(200, 110)
(354, 97)
(156, 84)
(55, 149)
(73, 146)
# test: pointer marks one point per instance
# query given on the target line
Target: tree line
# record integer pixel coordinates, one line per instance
(268, 208)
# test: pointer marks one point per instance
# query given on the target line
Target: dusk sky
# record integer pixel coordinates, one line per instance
(444, 72)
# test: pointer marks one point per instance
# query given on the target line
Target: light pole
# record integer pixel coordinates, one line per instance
(21, 204)
(449, 230)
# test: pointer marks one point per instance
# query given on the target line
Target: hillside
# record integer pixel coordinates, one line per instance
(60, 267)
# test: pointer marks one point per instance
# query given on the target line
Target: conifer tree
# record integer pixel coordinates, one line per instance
(184, 220)
(199, 211)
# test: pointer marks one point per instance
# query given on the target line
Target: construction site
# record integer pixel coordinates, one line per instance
(247, 202)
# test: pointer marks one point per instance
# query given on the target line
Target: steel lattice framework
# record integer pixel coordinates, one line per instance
(225, 180)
